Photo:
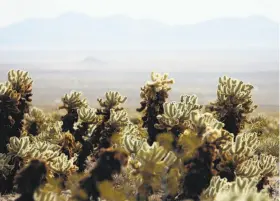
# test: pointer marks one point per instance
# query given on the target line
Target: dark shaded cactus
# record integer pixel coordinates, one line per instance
(71, 103)
(200, 170)
(15, 99)
(29, 179)
(154, 95)
(233, 105)
(106, 120)
(109, 163)
(8, 110)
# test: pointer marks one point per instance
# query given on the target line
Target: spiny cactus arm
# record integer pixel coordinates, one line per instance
(131, 129)
(5, 167)
(155, 154)
(3, 89)
(243, 147)
(63, 165)
(159, 80)
(232, 88)
(249, 196)
(249, 168)
(216, 185)
(118, 118)
(169, 159)
(112, 101)
(171, 116)
(191, 101)
(35, 117)
(52, 133)
(73, 100)
(47, 155)
(16, 76)
(268, 165)
(205, 125)
(42, 195)
(87, 115)
(151, 88)
(6, 89)
(49, 136)
(20, 81)
(177, 113)
(43, 146)
(36, 114)
(20, 146)
(229, 86)
(243, 185)
(132, 144)
(225, 141)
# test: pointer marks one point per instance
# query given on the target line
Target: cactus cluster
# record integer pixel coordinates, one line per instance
(234, 102)
(177, 151)
(154, 95)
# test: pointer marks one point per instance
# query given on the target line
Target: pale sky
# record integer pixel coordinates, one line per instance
(167, 11)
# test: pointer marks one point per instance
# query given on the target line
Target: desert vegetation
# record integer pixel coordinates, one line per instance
(176, 151)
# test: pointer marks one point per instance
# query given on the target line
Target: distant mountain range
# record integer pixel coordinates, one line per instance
(74, 30)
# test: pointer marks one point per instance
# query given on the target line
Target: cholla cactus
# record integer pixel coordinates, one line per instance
(43, 195)
(175, 114)
(62, 165)
(154, 95)
(267, 129)
(151, 164)
(8, 111)
(233, 196)
(249, 168)
(263, 125)
(216, 185)
(43, 146)
(238, 158)
(87, 115)
(5, 166)
(46, 156)
(35, 121)
(234, 102)
(73, 100)
(20, 146)
(205, 123)
(269, 146)
(109, 163)
(108, 120)
(243, 185)
(87, 120)
(15, 98)
(113, 101)
(68, 145)
(242, 189)
(118, 118)
(158, 83)
(132, 144)
(268, 165)
(20, 82)
(52, 134)
(29, 179)
(258, 167)
(178, 117)
(130, 139)
(241, 148)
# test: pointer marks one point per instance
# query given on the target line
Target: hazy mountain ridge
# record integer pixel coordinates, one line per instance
(73, 30)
